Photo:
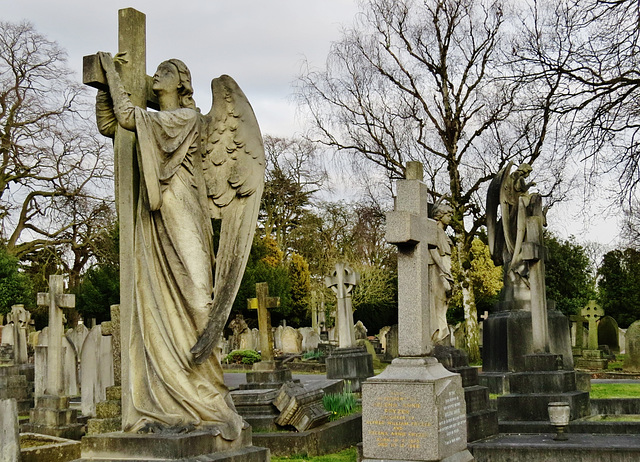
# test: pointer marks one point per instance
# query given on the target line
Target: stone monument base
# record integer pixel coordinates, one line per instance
(198, 446)
(352, 364)
(482, 421)
(256, 407)
(52, 416)
(266, 375)
(414, 411)
(532, 390)
(14, 384)
(505, 344)
(592, 360)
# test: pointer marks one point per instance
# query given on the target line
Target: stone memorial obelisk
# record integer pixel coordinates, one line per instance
(349, 361)
(415, 409)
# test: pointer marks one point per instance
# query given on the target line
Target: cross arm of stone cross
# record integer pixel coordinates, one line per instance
(342, 280)
(93, 76)
(592, 311)
(61, 300)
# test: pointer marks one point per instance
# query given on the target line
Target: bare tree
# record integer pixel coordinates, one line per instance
(433, 81)
(293, 174)
(55, 171)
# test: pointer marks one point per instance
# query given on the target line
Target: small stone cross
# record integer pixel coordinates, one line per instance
(592, 312)
(55, 300)
(112, 328)
(262, 303)
(342, 281)
(20, 319)
(412, 231)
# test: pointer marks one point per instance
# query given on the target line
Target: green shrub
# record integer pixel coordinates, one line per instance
(317, 354)
(341, 404)
(242, 357)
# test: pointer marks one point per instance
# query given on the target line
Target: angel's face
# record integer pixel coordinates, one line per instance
(166, 78)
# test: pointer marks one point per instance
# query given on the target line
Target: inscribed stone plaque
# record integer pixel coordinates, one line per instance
(412, 420)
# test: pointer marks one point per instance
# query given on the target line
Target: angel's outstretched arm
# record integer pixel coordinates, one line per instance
(123, 108)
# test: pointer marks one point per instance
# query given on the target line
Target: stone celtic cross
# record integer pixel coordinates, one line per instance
(262, 303)
(55, 299)
(342, 281)
(592, 312)
(412, 231)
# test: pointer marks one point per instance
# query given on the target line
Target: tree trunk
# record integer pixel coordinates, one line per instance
(469, 306)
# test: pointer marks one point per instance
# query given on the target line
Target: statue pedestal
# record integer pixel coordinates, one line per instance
(507, 340)
(163, 447)
(352, 364)
(414, 411)
(538, 384)
(266, 375)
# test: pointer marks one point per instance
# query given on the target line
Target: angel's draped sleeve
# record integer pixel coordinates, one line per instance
(105, 117)
(165, 138)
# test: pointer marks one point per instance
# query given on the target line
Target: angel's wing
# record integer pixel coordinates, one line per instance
(233, 166)
(495, 226)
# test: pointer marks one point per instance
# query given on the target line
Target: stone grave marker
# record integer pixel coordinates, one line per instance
(96, 373)
(77, 336)
(277, 338)
(262, 303)
(382, 337)
(632, 347)
(310, 338)
(52, 414)
(415, 409)
(360, 331)
(608, 334)
(342, 281)
(291, 341)
(591, 356)
(9, 431)
(19, 319)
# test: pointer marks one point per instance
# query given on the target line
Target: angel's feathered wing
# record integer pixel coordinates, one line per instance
(495, 225)
(233, 166)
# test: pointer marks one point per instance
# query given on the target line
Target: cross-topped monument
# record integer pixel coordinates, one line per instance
(592, 312)
(55, 300)
(133, 73)
(342, 281)
(412, 231)
(262, 303)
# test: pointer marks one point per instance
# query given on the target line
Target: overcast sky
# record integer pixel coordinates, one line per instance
(260, 43)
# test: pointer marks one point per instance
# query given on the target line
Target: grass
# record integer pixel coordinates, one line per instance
(616, 418)
(347, 455)
(615, 390)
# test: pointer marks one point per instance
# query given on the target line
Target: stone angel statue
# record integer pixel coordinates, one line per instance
(193, 168)
(515, 237)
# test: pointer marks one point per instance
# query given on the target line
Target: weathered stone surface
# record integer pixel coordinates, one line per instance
(414, 410)
(55, 450)
(608, 334)
(96, 372)
(291, 341)
(9, 431)
(506, 343)
(351, 364)
(300, 407)
(632, 361)
(18, 322)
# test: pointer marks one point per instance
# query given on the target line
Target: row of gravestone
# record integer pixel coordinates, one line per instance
(87, 364)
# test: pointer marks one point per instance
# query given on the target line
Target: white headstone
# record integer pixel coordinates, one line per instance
(77, 336)
(291, 341)
(310, 338)
(96, 373)
(277, 337)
